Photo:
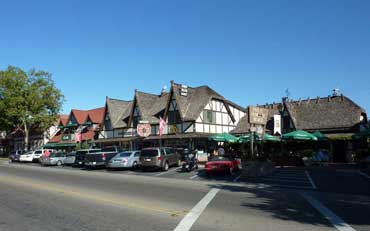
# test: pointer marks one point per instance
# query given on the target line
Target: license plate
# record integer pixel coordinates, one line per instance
(79, 162)
(148, 159)
(94, 163)
(214, 166)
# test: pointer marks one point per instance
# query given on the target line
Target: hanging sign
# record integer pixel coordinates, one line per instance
(144, 130)
(277, 124)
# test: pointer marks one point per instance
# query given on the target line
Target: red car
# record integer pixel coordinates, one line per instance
(222, 164)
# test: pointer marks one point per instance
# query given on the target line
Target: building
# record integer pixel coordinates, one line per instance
(192, 115)
(37, 137)
(336, 116)
(80, 123)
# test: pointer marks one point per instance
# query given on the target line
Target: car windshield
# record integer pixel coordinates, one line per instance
(71, 154)
(124, 154)
(149, 152)
(38, 152)
(220, 158)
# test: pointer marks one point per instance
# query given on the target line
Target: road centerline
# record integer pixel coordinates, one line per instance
(188, 221)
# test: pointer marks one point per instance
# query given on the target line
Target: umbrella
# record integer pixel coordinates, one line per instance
(299, 135)
(362, 134)
(266, 137)
(224, 137)
(319, 135)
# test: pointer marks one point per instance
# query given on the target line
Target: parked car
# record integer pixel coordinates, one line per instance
(70, 158)
(128, 159)
(33, 156)
(81, 154)
(159, 158)
(222, 164)
(15, 155)
(56, 158)
(100, 159)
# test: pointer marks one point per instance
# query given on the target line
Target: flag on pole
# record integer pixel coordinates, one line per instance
(78, 135)
(162, 126)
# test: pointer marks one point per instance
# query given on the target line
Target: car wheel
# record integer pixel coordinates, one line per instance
(134, 165)
(59, 163)
(166, 166)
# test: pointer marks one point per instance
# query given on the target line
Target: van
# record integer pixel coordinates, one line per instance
(159, 158)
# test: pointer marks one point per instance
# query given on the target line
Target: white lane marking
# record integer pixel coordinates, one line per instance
(328, 214)
(285, 180)
(190, 218)
(364, 174)
(237, 178)
(310, 179)
(169, 171)
(193, 177)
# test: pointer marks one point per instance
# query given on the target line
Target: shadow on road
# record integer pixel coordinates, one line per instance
(281, 205)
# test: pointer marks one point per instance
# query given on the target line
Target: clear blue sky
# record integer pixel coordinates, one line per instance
(249, 51)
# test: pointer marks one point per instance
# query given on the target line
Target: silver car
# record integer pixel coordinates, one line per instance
(53, 159)
(70, 158)
(127, 159)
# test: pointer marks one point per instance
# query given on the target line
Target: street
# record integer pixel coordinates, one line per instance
(52, 198)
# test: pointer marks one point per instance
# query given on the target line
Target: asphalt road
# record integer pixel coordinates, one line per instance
(40, 198)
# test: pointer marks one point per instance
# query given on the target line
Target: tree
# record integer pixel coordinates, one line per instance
(28, 100)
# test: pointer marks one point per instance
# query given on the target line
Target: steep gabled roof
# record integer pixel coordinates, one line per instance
(96, 115)
(332, 112)
(197, 98)
(149, 105)
(118, 110)
(244, 126)
(63, 119)
(80, 115)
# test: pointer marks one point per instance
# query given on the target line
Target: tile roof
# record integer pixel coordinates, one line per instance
(96, 115)
(63, 119)
(80, 115)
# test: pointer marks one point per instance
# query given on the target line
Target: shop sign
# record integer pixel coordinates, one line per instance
(66, 137)
(144, 130)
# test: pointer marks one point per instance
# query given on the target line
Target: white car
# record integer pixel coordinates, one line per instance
(33, 155)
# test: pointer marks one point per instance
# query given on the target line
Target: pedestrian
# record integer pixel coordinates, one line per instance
(221, 151)
(46, 153)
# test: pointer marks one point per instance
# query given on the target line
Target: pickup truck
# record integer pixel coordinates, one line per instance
(81, 154)
(100, 159)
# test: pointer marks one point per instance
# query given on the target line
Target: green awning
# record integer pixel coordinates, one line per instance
(266, 137)
(224, 137)
(319, 135)
(299, 135)
(59, 145)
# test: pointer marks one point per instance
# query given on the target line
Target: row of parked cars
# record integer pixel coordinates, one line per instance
(110, 157)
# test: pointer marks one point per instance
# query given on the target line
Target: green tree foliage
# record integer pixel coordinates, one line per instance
(28, 100)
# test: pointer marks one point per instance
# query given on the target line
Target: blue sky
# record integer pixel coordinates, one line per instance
(249, 51)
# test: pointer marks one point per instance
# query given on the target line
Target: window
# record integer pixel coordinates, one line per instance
(209, 116)
(174, 117)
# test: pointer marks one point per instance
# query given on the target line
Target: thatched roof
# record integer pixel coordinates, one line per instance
(330, 113)
(327, 113)
(150, 106)
(243, 126)
(197, 98)
(117, 110)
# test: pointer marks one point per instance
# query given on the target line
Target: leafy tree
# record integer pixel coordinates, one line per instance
(28, 100)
